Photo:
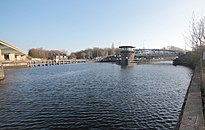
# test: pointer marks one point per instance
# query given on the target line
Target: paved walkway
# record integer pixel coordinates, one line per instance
(192, 117)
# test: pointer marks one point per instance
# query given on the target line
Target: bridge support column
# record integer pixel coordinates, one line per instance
(1, 56)
(1, 72)
(12, 57)
(18, 58)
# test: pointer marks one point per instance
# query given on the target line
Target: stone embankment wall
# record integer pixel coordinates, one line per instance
(191, 117)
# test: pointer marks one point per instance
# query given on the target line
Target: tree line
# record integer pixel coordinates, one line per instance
(94, 53)
(45, 54)
(90, 53)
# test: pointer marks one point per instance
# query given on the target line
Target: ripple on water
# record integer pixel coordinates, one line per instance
(93, 96)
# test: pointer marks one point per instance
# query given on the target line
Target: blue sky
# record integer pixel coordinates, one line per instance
(79, 24)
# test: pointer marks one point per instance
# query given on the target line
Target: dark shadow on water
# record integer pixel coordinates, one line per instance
(131, 65)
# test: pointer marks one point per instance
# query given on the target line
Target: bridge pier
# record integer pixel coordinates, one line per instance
(1, 72)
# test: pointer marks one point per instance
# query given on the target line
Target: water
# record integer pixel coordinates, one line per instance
(93, 96)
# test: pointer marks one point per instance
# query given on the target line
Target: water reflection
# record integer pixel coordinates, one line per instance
(130, 65)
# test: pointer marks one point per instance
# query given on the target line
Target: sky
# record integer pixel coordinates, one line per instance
(74, 25)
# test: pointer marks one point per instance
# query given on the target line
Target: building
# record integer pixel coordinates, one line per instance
(9, 52)
(127, 54)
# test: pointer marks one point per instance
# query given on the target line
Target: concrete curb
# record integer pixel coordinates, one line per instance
(191, 117)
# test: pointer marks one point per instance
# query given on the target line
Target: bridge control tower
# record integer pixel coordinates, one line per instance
(127, 54)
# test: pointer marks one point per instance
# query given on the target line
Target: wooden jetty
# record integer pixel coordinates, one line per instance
(38, 63)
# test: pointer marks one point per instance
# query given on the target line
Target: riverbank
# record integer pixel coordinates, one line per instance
(191, 117)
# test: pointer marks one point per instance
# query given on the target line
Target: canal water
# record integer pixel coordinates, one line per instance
(93, 96)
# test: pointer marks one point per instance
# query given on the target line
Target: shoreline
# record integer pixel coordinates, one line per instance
(191, 115)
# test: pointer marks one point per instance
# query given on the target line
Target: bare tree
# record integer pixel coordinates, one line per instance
(197, 32)
(83, 54)
(196, 40)
(73, 56)
(64, 51)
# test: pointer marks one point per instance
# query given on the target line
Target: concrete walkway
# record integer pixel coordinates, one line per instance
(192, 113)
